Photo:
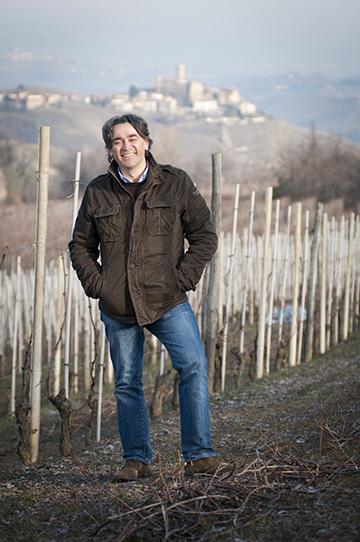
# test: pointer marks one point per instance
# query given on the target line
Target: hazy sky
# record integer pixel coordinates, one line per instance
(218, 41)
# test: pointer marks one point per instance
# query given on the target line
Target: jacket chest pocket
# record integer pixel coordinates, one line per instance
(110, 222)
(160, 216)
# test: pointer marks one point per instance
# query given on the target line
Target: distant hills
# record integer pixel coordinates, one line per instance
(330, 105)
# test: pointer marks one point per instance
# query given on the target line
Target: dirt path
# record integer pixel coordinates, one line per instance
(294, 440)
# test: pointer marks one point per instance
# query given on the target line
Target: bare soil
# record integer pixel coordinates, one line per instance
(293, 439)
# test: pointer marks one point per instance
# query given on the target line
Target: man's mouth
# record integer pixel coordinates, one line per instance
(128, 154)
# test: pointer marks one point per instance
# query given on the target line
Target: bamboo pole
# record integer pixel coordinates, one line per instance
(93, 343)
(49, 314)
(357, 286)
(41, 233)
(339, 262)
(71, 276)
(9, 302)
(264, 284)
(154, 343)
(202, 293)
(60, 316)
(295, 301)
(272, 288)
(228, 298)
(252, 283)
(221, 250)
(100, 383)
(303, 287)
(212, 315)
(21, 322)
(27, 303)
(348, 278)
(243, 292)
(353, 277)
(322, 347)
(76, 338)
(162, 359)
(285, 275)
(109, 367)
(258, 270)
(247, 270)
(236, 284)
(87, 326)
(16, 338)
(331, 281)
(312, 283)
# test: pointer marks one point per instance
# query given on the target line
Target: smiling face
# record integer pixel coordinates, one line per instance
(128, 150)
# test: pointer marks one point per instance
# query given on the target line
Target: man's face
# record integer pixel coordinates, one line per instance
(128, 149)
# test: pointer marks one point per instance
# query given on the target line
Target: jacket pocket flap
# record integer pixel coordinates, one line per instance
(110, 210)
(154, 203)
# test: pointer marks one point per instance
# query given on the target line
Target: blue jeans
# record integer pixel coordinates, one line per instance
(179, 333)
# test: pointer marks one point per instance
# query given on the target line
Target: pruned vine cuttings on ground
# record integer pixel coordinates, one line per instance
(293, 440)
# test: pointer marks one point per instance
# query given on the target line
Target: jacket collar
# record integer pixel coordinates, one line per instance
(154, 170)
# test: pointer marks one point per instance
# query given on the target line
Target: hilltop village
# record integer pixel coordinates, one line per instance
(173, 98)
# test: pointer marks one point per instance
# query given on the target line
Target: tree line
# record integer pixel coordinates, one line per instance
(321, 166)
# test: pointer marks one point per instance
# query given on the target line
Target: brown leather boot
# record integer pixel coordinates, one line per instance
(206, 465)
(132, 470)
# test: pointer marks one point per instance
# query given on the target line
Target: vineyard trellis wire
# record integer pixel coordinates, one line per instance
(265, 276)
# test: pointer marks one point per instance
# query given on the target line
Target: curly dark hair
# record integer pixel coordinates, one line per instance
(136, 122)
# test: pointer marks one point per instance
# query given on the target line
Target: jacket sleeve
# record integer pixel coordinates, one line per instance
(84, 249)
(200, 234)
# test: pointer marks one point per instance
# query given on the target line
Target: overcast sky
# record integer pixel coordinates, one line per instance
(219, 41)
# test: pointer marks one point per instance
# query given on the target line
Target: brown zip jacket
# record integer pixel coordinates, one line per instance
(144, 270)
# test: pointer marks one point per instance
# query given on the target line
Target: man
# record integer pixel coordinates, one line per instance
(136, 217)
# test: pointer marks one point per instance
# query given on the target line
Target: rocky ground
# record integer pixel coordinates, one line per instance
(293, 439)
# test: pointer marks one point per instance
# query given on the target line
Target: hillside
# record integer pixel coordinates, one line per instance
(247, 147)
(78, 126)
